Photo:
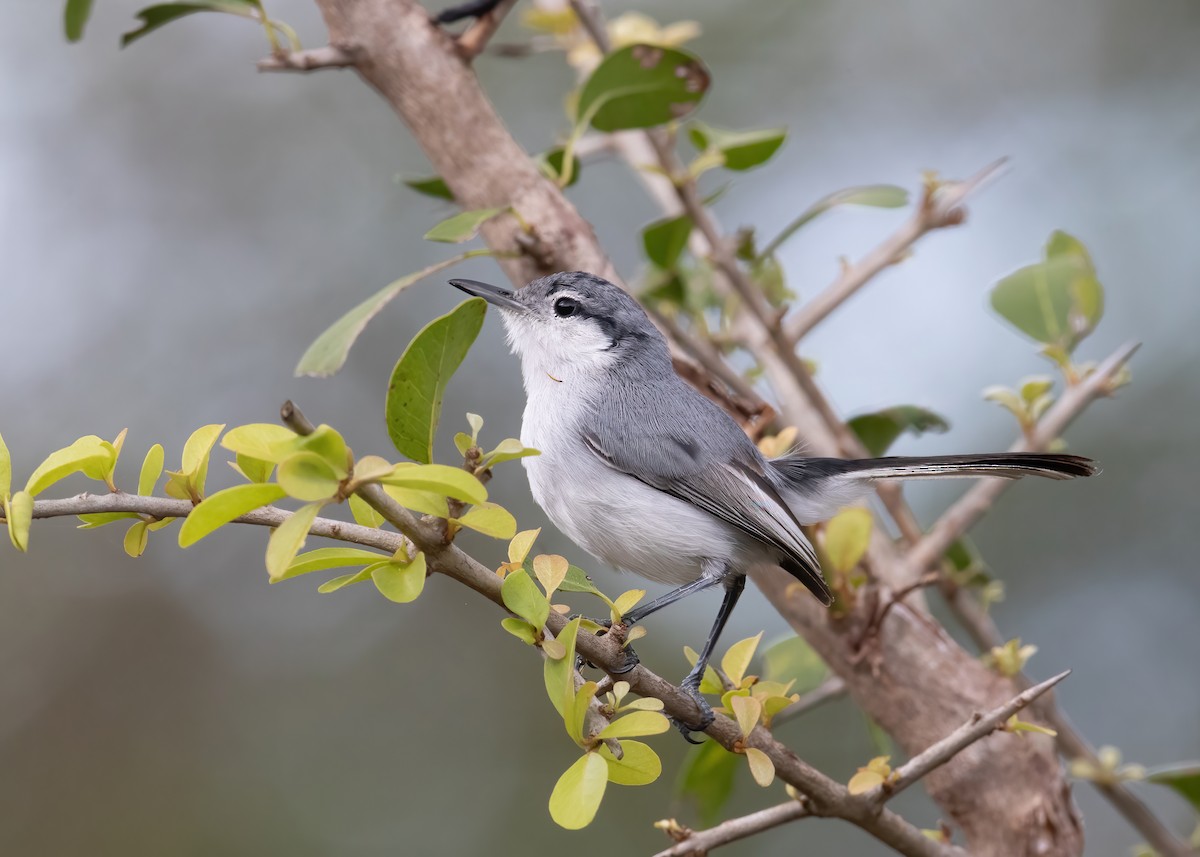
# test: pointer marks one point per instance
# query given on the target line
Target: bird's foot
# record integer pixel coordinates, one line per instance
(706, 713)
(606, 627)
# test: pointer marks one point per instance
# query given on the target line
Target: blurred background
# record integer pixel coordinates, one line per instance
(176, 229)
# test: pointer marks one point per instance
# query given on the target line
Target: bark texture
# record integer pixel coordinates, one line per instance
(1008, 796)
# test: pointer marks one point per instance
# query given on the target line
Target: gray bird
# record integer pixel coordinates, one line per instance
(648, 475)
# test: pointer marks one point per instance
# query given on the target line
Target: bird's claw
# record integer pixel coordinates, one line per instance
(706, 713)
(631, 657)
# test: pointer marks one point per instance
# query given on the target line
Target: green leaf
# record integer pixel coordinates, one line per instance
(153, 17)
(222, 507)
(1184, 779)
(551, 164)
(75, 18)
(638, 766)
(665, 240)
(742, 150)
(344, 580)
(879, 430)
(262, 441)
(640, 86)
(440, 479)
(520, 629)
(508, 449)
(329, 444)
(737, 659)
(196, 452)
(89, 454)
(491, 520)
(326, 558)
(1057, 301)
(875, 196)
(425, 502)
(254, 469)
(136, 538)
(400, 582)
(636, 724)
(577, 712)
(152, 466)
(18, 513)
(329, 351)
(847, 536)
(463, 226)
(363, 514)
(578, 581)
(96, 520)
(521, 595)
(288, 538)
(794, 660)
(5, 469)
(578, 792)
(559, 673)
(707, 778)
(414, 398)
(434, 186)
(307, 476)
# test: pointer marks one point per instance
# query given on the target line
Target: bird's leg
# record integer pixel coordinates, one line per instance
(637, 614)
(691, 683)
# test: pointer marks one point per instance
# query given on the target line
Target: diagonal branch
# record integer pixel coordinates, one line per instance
(939, 207)
(975, 729)
(475, 39)
(315, 59)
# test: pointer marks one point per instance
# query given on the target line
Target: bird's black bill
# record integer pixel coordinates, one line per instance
(494, 295)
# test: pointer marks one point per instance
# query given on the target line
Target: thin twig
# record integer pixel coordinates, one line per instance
(827, 691)
(330, 56)
(476, 37)
(937, 209)
(978, 727)
(973, 504)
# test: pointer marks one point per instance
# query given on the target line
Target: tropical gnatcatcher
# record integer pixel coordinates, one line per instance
(648, 475)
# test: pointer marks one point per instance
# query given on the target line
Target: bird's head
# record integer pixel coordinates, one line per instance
(573, 324)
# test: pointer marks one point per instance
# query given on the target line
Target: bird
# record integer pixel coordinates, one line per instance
(648, 475)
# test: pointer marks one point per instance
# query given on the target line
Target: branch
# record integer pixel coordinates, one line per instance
(975, 729)
(830, 689)
(330, 56)
(975, 502)
(939, 208)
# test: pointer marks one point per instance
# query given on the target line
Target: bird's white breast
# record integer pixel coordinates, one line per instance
(613, 516)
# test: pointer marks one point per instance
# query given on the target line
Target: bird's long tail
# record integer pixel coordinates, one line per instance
(817, 487)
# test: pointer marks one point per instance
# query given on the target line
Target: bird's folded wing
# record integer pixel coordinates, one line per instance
(734, 492)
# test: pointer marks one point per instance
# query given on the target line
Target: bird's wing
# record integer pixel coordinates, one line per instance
(732, 488)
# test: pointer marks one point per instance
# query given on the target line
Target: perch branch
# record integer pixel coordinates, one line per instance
(330, 56)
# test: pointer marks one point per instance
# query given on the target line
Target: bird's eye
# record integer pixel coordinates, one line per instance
(565, 307)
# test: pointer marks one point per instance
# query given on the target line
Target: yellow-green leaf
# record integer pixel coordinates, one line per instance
(440, 479)
(18, 512)
(418, 382)
(710, 682)
(794, 660)
(328, 352)
(847, 536)
(737, 659)
(224, 506)
(307, 476)
(509, 449)
(559, 673)
(135, 539)
(5, 469)
(551, 570)
(325, 558)
(372, 468)
(577, 712)
(491, 520)
(520, 545)
(520, 629)
(873, 774)
(263, 441)
(578, 792)
(521, 595)
(638, 766)
(425, 502)
(746, 710)
(761, 766)
(344, 580)
(88, 454)
(400, 582)
(152, 466)
(196, 452)
(96, 520)
(254, 469)
(363, 514)
(740, 150)
(635, 724)
(288, 538)
(626, 601)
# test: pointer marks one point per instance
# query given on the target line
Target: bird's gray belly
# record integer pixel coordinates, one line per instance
(625, 522)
